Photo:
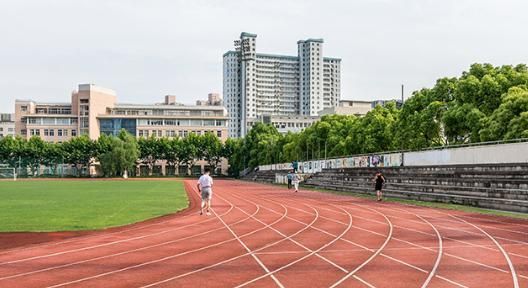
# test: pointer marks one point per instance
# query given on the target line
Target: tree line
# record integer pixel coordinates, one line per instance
(115, 154)
(486, 103)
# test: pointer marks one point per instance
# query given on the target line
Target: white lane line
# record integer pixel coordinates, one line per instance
(118, 254)
(440, 250)
(82, 238)
(447, 254)
(404, 263)
(257, 259)
(233, 258)
(400, 240)
(458, 229)
(363, 281)
(378, 251)
(109, 243)
(431, 248)
(431, 274)
(296, 242)
(495, 221)
(302, 258)
(510, 264)
(162, 259)
(451, 281)
(386, 249)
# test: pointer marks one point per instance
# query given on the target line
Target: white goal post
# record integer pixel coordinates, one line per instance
(8, 173)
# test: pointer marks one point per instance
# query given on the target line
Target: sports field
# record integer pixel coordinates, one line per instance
(70, 205)
(268, 236)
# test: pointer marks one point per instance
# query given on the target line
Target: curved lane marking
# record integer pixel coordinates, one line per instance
(231, 259)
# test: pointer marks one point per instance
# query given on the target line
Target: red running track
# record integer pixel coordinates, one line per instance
(267, 236)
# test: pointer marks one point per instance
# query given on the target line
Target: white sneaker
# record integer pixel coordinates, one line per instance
(208, 213)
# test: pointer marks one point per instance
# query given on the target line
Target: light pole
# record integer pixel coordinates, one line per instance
(401, 107)
(319, 149)
(325, 149)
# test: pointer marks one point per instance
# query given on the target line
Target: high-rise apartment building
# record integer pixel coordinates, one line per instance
(257, 84)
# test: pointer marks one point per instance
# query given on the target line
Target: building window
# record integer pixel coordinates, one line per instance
(74, 133)
(59, 132)
(23, 108)
(46, 132)
(65, 132)
(52, 132)
(219, 133)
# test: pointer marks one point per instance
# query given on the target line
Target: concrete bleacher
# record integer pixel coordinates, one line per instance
(264, 176)
(494, 186)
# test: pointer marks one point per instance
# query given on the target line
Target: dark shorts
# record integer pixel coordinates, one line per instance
(206, 193)
(378, 187)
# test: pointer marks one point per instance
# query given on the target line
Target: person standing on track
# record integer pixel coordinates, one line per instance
(296, 179)
(379, 180)
(205, 187)
(290, 177)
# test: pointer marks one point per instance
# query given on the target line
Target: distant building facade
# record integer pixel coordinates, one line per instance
(385, 102)
(257, 84)
(7, 125)
(94, 110)
(287, 123)
(213, 99)
(349, 107)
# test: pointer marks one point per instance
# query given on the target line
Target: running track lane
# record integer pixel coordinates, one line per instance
(266, 236)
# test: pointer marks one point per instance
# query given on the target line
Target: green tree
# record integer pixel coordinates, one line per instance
(10, 150)
(120, 156)
(53, 155)
(79, 152)
(190, 151)
(212, 149)
(171, 148)
(33, 153)
(150, 151)
(509, 120)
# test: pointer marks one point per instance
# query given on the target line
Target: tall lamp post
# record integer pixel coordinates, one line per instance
(325, 148)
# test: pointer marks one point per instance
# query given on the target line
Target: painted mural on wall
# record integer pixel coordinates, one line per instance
(499, 153)
(384, 160)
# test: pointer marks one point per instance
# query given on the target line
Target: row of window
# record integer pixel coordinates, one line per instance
(51, 121)
(168, 112)
(52, 132)
(54, 110)
(180, 122)
(174, 133)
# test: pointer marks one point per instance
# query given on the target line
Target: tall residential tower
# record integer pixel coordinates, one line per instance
(257, 84)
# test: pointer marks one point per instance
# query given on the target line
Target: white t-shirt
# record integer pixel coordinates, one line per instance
(205, 181)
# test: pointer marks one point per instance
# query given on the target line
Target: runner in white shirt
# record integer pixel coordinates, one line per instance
(205, 186)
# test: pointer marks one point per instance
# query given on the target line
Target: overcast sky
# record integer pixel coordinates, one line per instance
(147, 49)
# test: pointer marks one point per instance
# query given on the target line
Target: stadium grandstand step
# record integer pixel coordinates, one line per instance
(494, 186)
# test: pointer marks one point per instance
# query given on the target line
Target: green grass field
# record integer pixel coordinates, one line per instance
(67, 205)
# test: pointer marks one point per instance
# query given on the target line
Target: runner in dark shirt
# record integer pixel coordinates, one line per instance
(379, 180)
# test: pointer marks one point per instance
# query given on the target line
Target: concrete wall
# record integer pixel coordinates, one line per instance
(489, 154)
